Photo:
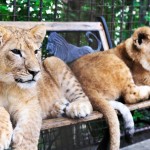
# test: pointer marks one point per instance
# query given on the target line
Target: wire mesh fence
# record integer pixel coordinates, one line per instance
(122, 16)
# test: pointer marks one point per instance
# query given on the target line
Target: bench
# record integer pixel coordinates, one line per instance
(102, 32)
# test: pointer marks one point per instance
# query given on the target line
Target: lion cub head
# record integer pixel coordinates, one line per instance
(138, 47)
(20, 55)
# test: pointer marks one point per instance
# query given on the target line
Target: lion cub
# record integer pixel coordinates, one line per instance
(108, 75)
(31, 90)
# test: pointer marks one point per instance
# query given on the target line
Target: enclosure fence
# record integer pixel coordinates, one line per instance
(122, 16)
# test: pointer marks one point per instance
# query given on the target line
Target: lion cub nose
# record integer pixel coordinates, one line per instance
(34, 73)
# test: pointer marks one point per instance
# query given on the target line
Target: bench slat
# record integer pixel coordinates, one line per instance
(141, 105)
(58, 26)
(59, 122)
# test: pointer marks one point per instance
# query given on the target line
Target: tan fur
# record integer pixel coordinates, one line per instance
(133, 53)
(32, 90)
(110, 74)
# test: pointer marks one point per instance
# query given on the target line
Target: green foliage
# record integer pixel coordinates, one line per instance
(137, 115)
(46, 7)
(131, 18)
(147, 16)
(122, 16)
(4, 11)
(141, 118)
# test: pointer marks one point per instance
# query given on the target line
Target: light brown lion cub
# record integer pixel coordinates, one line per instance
(108, 75)
(31, 90)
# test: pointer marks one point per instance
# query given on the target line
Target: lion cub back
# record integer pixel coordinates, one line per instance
(102, 72)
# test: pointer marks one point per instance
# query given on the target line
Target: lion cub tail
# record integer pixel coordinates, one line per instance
(110, 115)
(127, 118)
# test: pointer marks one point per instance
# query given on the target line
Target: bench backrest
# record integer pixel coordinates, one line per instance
(66, 26)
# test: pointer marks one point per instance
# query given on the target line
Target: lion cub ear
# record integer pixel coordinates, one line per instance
(38, 33)
(4, 35)
(140, 37)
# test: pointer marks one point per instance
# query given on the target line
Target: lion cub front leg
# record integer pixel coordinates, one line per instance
(79, 104)
(28, 124)
(6, 129)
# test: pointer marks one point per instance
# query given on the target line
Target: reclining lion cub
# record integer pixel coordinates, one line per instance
(31, 90)
(122, 71)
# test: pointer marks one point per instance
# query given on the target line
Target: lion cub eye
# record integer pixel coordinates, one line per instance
(17, 52)
(36, 51)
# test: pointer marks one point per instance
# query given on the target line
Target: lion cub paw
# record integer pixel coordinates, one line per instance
(22, 140)
(79, 109)
(59, 107)
(144, 92)
(17, 137)
(6, 129)
(5, 136)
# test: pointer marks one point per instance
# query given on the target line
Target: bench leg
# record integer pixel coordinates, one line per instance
(105, 143)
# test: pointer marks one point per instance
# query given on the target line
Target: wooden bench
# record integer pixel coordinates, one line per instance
(75, 26)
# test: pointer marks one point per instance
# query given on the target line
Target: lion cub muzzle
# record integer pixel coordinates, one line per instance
(33, 77)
